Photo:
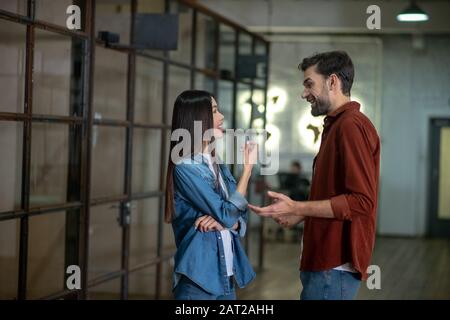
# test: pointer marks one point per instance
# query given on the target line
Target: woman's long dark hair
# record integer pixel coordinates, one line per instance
(190, 106)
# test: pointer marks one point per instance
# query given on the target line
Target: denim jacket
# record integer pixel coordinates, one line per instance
(200, 255)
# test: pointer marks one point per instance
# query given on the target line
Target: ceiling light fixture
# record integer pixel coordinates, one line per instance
(412, 14)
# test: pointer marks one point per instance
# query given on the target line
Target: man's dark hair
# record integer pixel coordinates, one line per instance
(337, 62)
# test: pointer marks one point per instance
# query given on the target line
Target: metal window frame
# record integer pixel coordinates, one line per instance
(81, 125)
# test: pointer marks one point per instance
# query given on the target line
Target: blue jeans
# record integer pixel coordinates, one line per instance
(186, 289)
(329, 285)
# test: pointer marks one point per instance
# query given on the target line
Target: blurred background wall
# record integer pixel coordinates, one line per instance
(402, 74)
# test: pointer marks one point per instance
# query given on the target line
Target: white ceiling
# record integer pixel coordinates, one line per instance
(330, 16)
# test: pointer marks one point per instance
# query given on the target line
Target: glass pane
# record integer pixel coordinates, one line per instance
(226, 51)
(183, 52)
(243, 106)
(11, 136)
(144, 230)
(225, 102)
(105, 240)
(261, 51)
(15, 6)
(258, 109)
(205, 42)
(52, 73)
(49, 163)
(108, 161)
(12, 66)
(146, 160)
(259, 82)
(179, 80)
(166, 141)
(245, 51)
(105, 291)
(154, 6)
(46, 254)
(260, 48)
(245, 44)
(115, 17)
(55, 11)
(166, 279)
(110, 84)
(444, 175)
(168, 246)
(9, 258)
(142, 284)
(149, 89)
(254, 241)
(203, 82)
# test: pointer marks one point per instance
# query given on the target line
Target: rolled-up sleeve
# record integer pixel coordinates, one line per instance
(238, 200)
(242, 227)
(201, 195)
(356, 147)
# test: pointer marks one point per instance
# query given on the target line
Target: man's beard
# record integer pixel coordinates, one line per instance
(320, 107)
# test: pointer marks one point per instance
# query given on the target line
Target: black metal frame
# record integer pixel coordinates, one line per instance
(78, 200)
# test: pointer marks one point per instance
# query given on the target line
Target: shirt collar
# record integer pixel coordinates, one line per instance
(351, 105)
(346, 106)
(206, 157)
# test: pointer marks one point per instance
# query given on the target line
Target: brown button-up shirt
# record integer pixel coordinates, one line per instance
(345, 171)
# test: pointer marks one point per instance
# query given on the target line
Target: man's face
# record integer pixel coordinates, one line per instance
(315, 92)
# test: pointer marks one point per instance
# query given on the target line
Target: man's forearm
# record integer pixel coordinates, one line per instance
(316, 209)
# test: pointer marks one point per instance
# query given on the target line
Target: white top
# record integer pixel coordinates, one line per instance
(346, 267)
(225, 234)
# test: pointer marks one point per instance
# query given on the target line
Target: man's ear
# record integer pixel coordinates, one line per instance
(334, 82)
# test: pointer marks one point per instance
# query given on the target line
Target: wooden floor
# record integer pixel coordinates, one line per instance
(411, 268)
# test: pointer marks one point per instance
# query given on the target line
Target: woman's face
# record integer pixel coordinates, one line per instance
(217, 119)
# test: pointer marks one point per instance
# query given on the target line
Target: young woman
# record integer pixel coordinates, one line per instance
(206, 207)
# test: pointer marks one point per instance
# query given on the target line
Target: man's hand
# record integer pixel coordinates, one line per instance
(289, 221)
(283, 206)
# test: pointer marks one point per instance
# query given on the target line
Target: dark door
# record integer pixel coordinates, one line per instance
(439, 189)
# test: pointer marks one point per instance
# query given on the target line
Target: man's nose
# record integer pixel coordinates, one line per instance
(304, 94)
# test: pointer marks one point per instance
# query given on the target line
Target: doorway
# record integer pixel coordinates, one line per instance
(439, 173)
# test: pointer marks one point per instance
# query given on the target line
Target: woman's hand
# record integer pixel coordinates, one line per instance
(250, 158)
(207, 223)
(250, 155)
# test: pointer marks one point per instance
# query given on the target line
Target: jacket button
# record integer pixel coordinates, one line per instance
(220, 238)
